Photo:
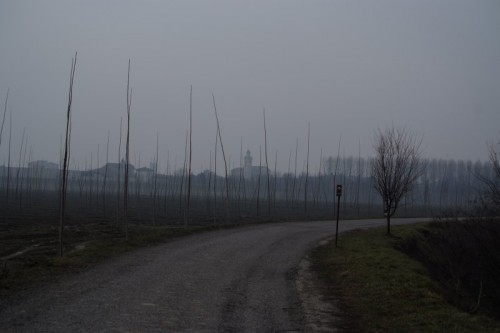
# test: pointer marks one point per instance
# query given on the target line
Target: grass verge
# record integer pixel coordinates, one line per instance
(381, 289)
(29, 253)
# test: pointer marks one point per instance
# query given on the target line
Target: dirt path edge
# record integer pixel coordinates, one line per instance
(321, 314)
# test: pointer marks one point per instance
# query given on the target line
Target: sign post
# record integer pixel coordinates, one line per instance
(339, 194)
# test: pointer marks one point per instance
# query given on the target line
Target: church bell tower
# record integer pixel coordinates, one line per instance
(247, 170)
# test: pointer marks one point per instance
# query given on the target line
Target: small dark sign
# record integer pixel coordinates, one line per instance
(339, 190)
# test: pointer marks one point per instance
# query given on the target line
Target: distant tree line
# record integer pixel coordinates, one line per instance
(445, 185)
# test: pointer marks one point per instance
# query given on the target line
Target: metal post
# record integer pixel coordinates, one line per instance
(339, 194)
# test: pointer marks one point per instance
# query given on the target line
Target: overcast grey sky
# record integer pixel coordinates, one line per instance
(346, 67)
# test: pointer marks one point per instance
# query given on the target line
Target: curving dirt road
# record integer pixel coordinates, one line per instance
(238, 280)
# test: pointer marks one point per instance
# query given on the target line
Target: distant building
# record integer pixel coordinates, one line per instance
(144, 174)
(249, 171)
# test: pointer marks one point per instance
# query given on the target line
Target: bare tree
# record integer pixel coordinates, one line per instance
(275, 183)
(4, 113)
(96, 178)
(358, 185)
(215, 176)
(125, 186)
(307, 168)
(492, 183)
(186, 217)
(495, 184)
(155, 180)
(7, 189)
(226, 199)
(287, 178)
(16, 193)
(258, 179)
(105, 178)
(64, 171)
(118, 190)
(240, 179)
(183, 175)
(24, 174)
(316, 195)
(396, 167)
(295, 170)
(267, 167)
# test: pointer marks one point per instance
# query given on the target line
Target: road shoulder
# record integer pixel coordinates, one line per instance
(321, 313)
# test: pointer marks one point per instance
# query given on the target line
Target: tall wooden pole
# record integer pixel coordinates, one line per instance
(339, 194)
(64, 171)
(127, 157)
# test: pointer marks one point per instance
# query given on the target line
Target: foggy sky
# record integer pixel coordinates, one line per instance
(345, 67)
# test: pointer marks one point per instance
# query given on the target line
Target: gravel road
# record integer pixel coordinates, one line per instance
(238, 280)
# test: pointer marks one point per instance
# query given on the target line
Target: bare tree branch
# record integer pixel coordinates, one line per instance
(4, 113)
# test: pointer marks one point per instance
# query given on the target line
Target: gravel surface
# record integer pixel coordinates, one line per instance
(238, 280)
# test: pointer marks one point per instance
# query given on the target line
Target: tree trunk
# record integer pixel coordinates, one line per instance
(64, 172)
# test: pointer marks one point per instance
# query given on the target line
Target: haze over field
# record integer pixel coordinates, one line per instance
(345, 67)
